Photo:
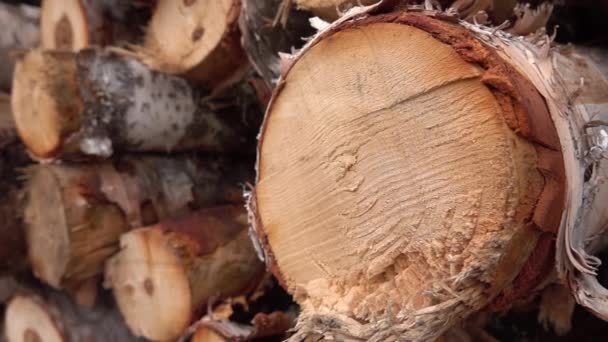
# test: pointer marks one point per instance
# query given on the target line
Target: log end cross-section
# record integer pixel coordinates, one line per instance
(195, 37)
(400, 165)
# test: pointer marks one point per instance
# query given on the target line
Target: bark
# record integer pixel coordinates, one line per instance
(196, 38)
(96, 101)
(75, 214)
(53, 317)
(269, 28)
(73, 25)
(375, 238)
(165, 274)
(19, 31)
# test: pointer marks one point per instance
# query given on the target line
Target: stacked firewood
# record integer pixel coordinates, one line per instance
(419, 165)
(141, 120)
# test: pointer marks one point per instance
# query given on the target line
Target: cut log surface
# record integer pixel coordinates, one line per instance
(73, 25)
(30, 318)
(97, 101)
(269, 29)
(166, 273)
(76, 214)
(19, 31)
(399, 190)
(198, 38)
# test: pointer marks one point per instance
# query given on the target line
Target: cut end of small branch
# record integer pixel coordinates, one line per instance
(71, 227)
(47, 231)
(27, 320)
(45, 100)
(150, 285)
(166, 272)
(64, 25)
(194, 37)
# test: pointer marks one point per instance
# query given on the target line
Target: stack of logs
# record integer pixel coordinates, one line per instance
(412, 168)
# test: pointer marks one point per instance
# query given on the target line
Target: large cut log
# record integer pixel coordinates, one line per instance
(199, 38)
(165, 274)
(76, 214)
(19, 31)
(55, 318)
(401, 189)
(96, 101)
(77, 24)
(269, 28)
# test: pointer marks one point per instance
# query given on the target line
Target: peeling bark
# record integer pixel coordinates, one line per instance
(95, 102)
(262, 325)
(165, 274)
(76, 214)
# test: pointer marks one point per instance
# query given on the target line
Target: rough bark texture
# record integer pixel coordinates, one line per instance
(73, 25)
(166, 273)
(269, 28)
(576, 93)
(511, 262)
(197, 38)
(95, 102)
(19, 31)
(76, 214)
(55, 318)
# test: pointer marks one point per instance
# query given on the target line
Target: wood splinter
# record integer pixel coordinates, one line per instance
(165, 274)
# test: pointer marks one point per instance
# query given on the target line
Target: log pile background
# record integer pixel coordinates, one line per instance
(128, 140)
